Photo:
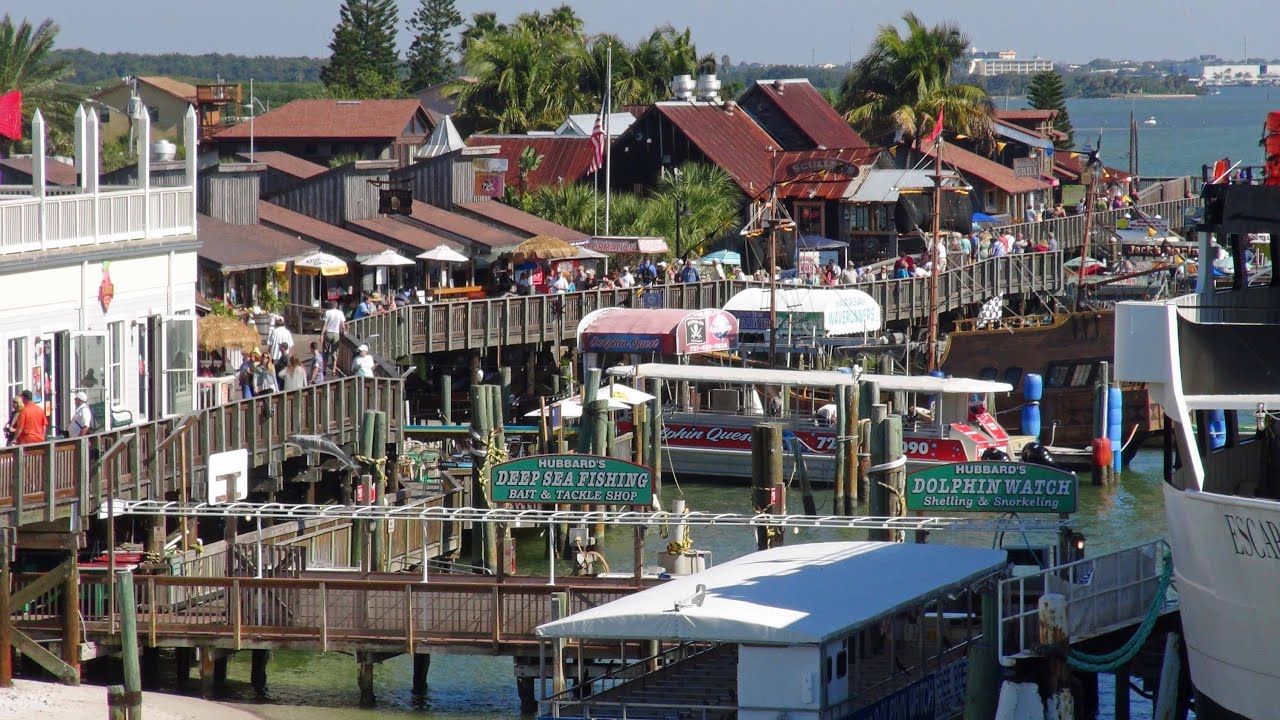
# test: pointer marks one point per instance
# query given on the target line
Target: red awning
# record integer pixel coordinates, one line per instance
(670, 332)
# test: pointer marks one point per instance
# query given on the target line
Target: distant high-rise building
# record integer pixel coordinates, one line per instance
(987, 63)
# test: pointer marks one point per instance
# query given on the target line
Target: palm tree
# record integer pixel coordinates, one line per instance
(25, 65)
(705, 199)
(898, 87)
(520, 80)
(572, 205)
(529, 161)
(482, 23)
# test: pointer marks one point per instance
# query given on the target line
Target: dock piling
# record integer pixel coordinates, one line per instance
(129, 644)
(446, 399)
(848, 427)
(655, 436)
(768, 494)
(364, 679)
(258, 671)
(838, 483)
(421, 665)
(1054, 634)
(887, 485)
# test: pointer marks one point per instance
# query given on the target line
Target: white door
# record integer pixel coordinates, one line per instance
(178, 353)
(88, 365)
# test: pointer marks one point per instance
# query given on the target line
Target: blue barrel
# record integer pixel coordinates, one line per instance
(1032, 391)
(1217, 429)
(930, 400)
(1115, 426)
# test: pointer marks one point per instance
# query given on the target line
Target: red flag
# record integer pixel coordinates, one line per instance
(937, 130)
(11, 114)
(597, 145)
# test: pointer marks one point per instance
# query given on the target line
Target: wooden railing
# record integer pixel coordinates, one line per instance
(85, 219)
(1069, 231)
(333, 610)
(44, 480)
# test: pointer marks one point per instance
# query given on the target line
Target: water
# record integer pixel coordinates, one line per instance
(323, 687)
(1190, 132)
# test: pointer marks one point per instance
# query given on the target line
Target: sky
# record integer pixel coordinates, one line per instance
(766, 31)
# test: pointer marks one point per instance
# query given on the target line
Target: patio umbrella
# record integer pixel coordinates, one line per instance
(216, 332)
(543, 247)
(726, 257)
(387, 258)
(623, 394)
(320, 263)
(571, 408)
(443, 253)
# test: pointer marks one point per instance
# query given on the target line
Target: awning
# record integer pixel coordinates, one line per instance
(625, 245)
(825, 311)
(802, 594)
(670, 332)
(817, 242)
(733, 375)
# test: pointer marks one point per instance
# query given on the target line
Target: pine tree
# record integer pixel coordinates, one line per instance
(1048, 92)
(428, 59)
(364, 47)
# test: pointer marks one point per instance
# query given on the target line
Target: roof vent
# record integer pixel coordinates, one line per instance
(728, 107)
(682, 87)
(708, 88)
(779, 86)
(348, 102)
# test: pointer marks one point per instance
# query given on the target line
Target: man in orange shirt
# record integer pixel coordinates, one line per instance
(33, 425)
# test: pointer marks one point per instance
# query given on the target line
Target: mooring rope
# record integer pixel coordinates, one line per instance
(1108, 662)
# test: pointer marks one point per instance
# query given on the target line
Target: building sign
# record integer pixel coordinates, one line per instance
(490, 184)
(1160, 225)
(621, 343)
(707, 331)
(932, 697)
(571, 479)
(823, 165)
(1026, 167)
(489, 165)
(992, 487)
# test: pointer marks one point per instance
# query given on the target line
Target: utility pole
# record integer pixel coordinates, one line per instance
(933, 262)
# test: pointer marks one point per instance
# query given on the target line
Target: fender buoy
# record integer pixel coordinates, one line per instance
(1101, 448)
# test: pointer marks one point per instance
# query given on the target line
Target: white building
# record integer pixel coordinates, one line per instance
(1236, 74)
(100, 285)
(987, 67)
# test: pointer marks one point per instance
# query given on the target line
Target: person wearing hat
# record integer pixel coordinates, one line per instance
(82, 418)
(245, 375)
(626, 279)
(362, 366)
(690, 273)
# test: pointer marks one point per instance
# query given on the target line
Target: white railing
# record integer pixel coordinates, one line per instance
(85, 219)
(1103, 593)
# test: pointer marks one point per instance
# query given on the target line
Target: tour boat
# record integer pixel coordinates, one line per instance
(1209, 359)
(1150, 121)
(709, 434)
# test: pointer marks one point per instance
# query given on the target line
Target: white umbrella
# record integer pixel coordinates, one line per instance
(624, 394)
(444, 253)
(572, 407)
(386, 258)
(320, 263)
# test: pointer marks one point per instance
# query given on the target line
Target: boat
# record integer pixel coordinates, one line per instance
(1209, 360)
(708, 430)
(1150, 120)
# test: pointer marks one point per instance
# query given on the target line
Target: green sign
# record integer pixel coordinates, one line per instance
(572, 479)
(992, 487)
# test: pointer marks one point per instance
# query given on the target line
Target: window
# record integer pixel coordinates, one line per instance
(809, 219)
(180, 375)
(1058, 375)
(856, 217)
(115, 362)
(104, 116)
(154, 112)
(1081, 374)
(988, 373)
(842, 659)
(884, 218)
(16, 372)
(1013, 375)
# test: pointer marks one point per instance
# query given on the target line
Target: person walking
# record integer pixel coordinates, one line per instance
(335, 323)
(294, 376)
(278, 337)
(315, 374)
(245, 373)
(33, 424)
(82, 418)
(264, 377)
(362, 366)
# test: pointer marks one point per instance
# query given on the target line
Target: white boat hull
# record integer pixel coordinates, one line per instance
(1227, 573)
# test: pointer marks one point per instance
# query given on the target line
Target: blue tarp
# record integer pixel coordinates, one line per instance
(980, 217)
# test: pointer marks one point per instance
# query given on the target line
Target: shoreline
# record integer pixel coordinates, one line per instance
(1152, 96)
(52, 701)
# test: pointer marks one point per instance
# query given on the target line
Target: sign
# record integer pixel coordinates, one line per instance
(932, 697)
(490, 184)
(489, 165)
(992, 487)
(571, 479)
(823, 165)
(707, 331)
(1142, 223)
(225, 467)
(1072, 195)
(1026, 167)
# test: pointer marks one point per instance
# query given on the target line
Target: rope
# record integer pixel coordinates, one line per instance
(1121, 656)
(891, 465)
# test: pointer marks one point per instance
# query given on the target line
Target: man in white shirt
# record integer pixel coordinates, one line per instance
(335, 323)
(279, 335)
(82, 418)
(363, 364)
(627, 279)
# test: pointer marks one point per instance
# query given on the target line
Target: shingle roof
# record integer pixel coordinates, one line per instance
(342, 240)
(290, 165)
(521, 221)
(989, 171)
(729, 138)
(804, 105)
(347, 119)
(462, 226)
(403, 233)
(177, 88)
(56, 172)
(565, 158)
(243, 247)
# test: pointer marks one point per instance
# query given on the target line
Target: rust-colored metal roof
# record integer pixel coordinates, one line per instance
(989, 171)
(801, 102)
(330, 119)
(565, 158)
(1026, 114)
(803, 175)
(463, 227)
(403, 233)
(56, 172)
(521, 221)
(244, 247)
(283, 162)
(729, 138)
(341, 240)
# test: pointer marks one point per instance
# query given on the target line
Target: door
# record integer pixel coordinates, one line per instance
(178, 352)
(143, 346)
(44, 377)
(87, 371)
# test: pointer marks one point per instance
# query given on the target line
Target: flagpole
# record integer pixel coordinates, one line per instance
(595, 208)
(608, 139)
(937, 237)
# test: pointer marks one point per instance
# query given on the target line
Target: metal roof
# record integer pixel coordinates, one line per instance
(801, 103)
(325, 119)
(342, 240)
(283, 162)
(468, 229)
(822, 184)
(583, 124)
(728, 137)
(988, 171)
(517, 219)
(565, 158)
(245, 247)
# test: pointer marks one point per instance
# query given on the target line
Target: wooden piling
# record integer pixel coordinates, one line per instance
(806, 488)
(1101, 474)
(559, 609)
(421, 666)
(504, 397)
(474, 543)
(446, 399)
(1168, 691)
(206, 672)
(849, 426)
(1054, 634)
(502, 533)
(597, 415)
(6, 616)
(258, 670)
(887, 486)
(129, 643)
(117, 703)
(768, 493)
(655, 436)
(864, 459)
(71, 627)
(182, 664)
(364, 678)
(840, 488)
(1122, 708)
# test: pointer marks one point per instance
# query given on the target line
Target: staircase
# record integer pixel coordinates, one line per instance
(678, 691)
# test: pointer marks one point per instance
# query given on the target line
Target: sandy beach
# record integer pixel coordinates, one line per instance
(51, 701)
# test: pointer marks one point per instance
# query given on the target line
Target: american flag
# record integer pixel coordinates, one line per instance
(597, 144)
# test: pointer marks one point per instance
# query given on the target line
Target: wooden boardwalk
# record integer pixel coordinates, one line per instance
(45, 481)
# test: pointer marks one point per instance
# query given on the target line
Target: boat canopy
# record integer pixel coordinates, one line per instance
(666, 331)
(1241, 403)
(933, 385)
(740, 375)
(802, 594)
(828, 311)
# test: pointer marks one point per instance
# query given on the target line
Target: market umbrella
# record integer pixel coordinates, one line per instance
(623, 394)
(726, 257)
(215, 332)
(543, 247)
(320, 263)
(572, 407)
(443, 253)
(386, 258)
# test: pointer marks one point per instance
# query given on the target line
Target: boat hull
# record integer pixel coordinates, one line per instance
(1227, 552)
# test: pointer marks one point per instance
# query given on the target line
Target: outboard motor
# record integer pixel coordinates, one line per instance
(1037, 454)
(995, 454)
